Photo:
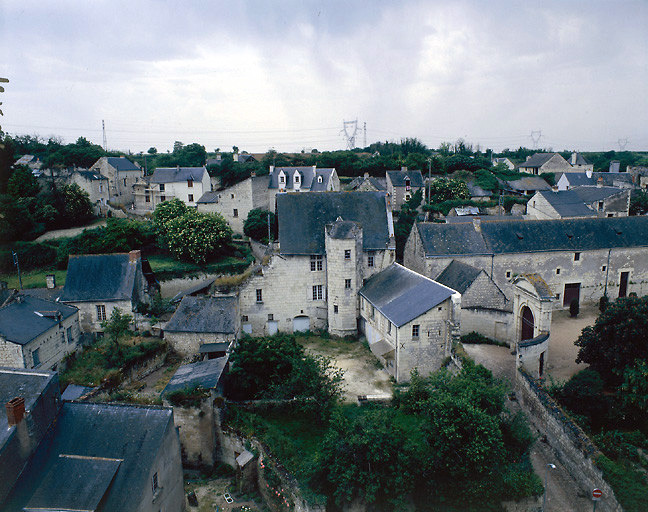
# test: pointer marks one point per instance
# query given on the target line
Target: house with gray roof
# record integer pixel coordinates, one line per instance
(188, 184)
(205, 326)
(402, 185)
(409, 320)
(525, 186)
(581, 258)
(122, 175)
(367, 183)
(104, 457)
(580, 163)
(329, 243)
(37, 333)
(569, 180)
(504, 161)
(579, 202)
(97, 284)
(545, 162)
(95, 185)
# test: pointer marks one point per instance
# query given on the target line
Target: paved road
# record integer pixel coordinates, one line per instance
(62, 233)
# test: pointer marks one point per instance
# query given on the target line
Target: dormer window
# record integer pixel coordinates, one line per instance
(190, 183)
(282, 179)
(319, 179)
(408, 184)
(296, 178)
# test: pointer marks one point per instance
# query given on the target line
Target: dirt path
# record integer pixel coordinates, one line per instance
(69, 232)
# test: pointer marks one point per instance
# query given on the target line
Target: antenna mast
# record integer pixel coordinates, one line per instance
(105, 142)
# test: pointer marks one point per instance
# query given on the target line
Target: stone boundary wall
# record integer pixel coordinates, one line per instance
(142, 370)
(569, 442)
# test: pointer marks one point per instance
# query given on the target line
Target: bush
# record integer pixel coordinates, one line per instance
(476, 338)
(31, 256)
(189, 397)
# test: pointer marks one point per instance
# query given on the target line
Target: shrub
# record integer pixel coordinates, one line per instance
(189, 397)
(477, 338)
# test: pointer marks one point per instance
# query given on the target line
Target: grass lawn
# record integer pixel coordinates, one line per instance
(34, 278)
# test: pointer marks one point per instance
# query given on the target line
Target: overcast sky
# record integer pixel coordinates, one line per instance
(285, 74)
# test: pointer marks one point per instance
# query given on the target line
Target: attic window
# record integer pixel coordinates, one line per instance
(282, 179)
(296, 177)
(569, 235)
(408, 184)
(519, 235)
(577, 256)
(319, 179)
(190, 183)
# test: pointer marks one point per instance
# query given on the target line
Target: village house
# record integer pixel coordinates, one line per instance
(579, 202)
(329, 244)
(580, 259)
(504, 161)
(579, 163)
(569, 180)
(122, 174)
(525, 186)
(301, 179)
(408, 320)
(37, 333)
(84, 456)
(188, 184)
(31, 161)
(545, 162)
(95, 185)
(639, 175)
(402, 185)
(97, 284)
(205, 326)
(367, 183)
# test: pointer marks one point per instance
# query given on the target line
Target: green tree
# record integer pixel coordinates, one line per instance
(22, 183)
(166, 211)
(152, 150)
(16, 222)
(638, 202)
(444, 189)
(78, 208)
(197, 237)
(618, 338)
(117, 326)
(634, 390)
(256, 225)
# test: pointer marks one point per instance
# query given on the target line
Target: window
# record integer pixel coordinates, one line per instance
(603, 268)
(335, 308)
(610, 215)
(388, 327)
(147, 198)
(347, 254)
(557, 271)
(415, 331)
(101, 312)
(162, 198)
(270, 317)
(161, 187)
(235, 212)
(259, 295)
(317, 292)
(232, 196)
(557, 296)
(282, 179)
(600, 206)
(296, 177)
(408, 197)
(190, 183)
(370, 261)
(36, 357)
(347, 283)
(154, 483)
(244, 318)
(69, 334)
(408, 184)
(508, 274)
(316, 263)
(124, 181)
(319, 179)
(191, 198)
(577, 256)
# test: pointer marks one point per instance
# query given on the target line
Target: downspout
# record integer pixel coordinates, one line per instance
(607, 271)
(397, 355)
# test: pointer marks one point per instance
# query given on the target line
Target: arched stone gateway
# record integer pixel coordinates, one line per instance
(528, 326)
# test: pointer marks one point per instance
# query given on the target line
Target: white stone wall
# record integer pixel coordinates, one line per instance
(97, 189)
(11, 354)
(188, 343)
(539, 208)
(120, 191)
(88, 313)
(492, 323)
(181, 190)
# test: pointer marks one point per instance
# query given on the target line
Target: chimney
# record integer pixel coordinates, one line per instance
(366, 175)
(50, 279)
(134, 256)
(573, 159)
(15, 410)
(588, 173)
(404, 169)
(599, 182)
(271, 170)
(477, 224)
(314, 168)
(178, 167)
(528, 158)
(252, 174)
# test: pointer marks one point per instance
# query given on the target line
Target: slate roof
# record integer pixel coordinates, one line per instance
(580, 179)
(208, 197)
(308, 178)
(95, 277)
(91, 175)
(303, 217)
(26, 318)
(205, 314)
(131, 433)
(568, 203)
(458, 276)
(459, 219)
(74, 392)
(28, 384)
(377, 183)
(402, 295)
(528, 183)
(202, 286)
(122, 164)
(537, 160)
(398, 178)
(342, 229)
(513, 236)
(205, 374)
(593, 194)
(580, 160)
(177, 174)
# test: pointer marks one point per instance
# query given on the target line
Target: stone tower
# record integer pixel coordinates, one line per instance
(344, 258)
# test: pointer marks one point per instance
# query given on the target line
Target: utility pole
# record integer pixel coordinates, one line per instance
(105, 142)
(429, 187)
(349, 135)
(622, 144)
(15, 259)
(365, 134)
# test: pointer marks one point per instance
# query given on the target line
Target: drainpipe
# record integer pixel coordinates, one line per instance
(607, 270)
(397, 355)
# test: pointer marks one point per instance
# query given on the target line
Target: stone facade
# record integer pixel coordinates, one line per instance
(89, 318)
(538, 163)
(120, 182)
(614, 205)
(148, 194)
(188, 343)
(96, 187)
(398, 194)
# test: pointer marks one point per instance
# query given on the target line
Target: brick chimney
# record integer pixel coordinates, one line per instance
(15, 410)
(271, 170)
(134, 256)
(599, 182)
(50, 280)
(403, 169)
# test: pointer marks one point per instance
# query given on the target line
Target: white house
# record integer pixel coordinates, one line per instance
(185, 183)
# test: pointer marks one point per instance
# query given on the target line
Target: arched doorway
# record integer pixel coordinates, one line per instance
(527, 324)
(301, 323)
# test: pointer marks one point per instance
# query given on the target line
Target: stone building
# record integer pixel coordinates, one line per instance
(579, 202)
(545, 162)
(37, 333)
(569, 180)
(367, 183)
(204, 325)
(97, 284)
(402, 185)
(185, 183)
(122, 174)
(329, 243)
(525, 186)
(579, 259)
(408, 320)
(580, 163)
(96, 186)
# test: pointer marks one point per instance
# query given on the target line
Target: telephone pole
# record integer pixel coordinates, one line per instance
(105, 142)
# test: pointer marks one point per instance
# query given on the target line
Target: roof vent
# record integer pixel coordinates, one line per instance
(519, 235)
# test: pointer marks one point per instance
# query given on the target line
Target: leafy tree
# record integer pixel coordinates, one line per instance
(634, 390)
(406, 218)
(168, 210)
(152, 150)
(443, 189)
(197, 237)
(78, 208)
(256, 225)
(22, 183)
(583, 395)
(16, 222)
(638, 202)
(618, 338)
(115, 328)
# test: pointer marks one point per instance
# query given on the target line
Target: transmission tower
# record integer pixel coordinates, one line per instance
(536, 135)
(365, 134)
(350, 131)
(105, 142)
(622, 144)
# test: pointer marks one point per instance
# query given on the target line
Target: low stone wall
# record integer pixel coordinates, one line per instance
(138, 372)
(569, 442)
